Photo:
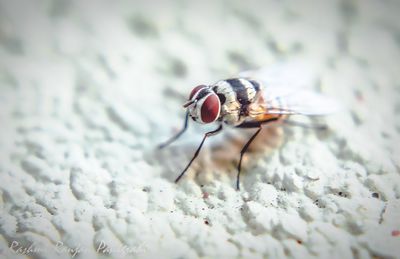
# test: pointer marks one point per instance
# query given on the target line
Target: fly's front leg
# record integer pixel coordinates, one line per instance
(185, 125)
(211, 133)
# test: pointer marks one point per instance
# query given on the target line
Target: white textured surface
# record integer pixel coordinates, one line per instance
(89, 88)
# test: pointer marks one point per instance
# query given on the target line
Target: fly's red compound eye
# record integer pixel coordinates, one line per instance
(210, 109)
(195, 90)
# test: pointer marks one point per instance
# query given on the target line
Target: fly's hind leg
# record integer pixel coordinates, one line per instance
(319, 127)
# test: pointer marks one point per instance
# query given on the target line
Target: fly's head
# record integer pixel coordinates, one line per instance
(203, 104)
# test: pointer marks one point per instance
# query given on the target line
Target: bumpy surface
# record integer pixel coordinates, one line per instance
(89, 88)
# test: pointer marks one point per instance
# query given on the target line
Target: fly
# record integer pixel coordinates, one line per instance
(252, 100)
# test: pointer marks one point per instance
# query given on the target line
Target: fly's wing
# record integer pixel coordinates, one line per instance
(288, 77)
(287, 90)
(301, 101)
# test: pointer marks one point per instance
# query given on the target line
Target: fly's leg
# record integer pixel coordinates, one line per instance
(211, 133)
(249, 125)
(258, 124)
(185, 125)
(305, 126)
(242, 152)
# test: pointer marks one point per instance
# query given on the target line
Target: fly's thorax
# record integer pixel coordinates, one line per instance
(236, 95)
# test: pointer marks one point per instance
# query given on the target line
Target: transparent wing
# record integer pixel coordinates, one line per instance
(300, 101)
(285, 76)
(287, 89)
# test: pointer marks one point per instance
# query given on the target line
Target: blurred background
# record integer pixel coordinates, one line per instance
(89, 88)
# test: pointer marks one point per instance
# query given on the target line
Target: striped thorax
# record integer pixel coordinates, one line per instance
(236, 96)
